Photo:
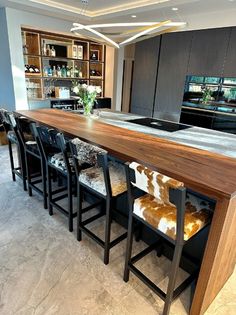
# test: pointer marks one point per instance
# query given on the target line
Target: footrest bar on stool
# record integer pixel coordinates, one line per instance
(118, 239)
(59, 190)
(95, 217)
(185, 284)
(59, 198)
(144, 252)
(93, 236)
(90, 207)
(148, 282)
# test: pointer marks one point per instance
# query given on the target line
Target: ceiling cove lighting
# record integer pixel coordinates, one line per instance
(144, 28)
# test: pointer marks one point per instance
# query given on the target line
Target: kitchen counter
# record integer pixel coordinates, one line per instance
(210, 140)
(209, 171)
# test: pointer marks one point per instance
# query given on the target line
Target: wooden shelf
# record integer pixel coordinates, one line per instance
(64, 58)
(63, 78)
(33, 39)
(33, 75)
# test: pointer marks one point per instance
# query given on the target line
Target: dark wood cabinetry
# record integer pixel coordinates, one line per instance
(230, 60)
(144, 76)
(208, 52)
(174, 57)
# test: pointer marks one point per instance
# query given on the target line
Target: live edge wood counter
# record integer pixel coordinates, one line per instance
(211, 174)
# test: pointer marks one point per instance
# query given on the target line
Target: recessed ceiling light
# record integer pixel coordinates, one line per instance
(134, 16)
(174, 9)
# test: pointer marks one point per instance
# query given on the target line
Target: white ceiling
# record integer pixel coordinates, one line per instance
(197, 13)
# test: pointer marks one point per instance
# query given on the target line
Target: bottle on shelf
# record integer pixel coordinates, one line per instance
(80, 74)
(59, 71)
(63, 71)
(49, 71)
(54, 71)
(31, 69)
(48, 51)
(44, 48)
(26, 68)
(68, 72)
(45, 71)
(76, 72)
(53, 52)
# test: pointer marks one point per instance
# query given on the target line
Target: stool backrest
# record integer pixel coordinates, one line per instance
(86, 152)
(153, 183)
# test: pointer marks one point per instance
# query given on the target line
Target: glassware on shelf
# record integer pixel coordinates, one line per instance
(76, 72)
(48, 51)
(54, 71)
(49, 71)
(68, 72)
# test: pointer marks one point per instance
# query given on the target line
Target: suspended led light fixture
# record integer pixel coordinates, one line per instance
(144, 29)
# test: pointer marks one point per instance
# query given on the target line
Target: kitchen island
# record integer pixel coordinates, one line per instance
(209, 171)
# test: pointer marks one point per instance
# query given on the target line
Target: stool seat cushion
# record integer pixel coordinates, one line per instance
(93, 178)
(12, 136)
(58, 161)
(162, 216)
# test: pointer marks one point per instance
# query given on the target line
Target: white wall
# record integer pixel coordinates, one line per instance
(7, 99)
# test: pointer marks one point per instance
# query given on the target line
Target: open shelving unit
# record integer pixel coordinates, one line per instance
(75, 61)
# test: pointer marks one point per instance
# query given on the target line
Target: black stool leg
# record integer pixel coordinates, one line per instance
(49, 185)
(28, 173)
(11, 160)
(44, 180)
(172, 278)
(107, 231)
(128, 247)
(79, 211)
(70, 202)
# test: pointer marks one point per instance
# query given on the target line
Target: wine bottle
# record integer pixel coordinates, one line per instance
(76, 72)
(49, 71)
(31, 69)
(54, 71)
(63, 71)
(48, 51)
(59, 71)
(53, 52)
(44, 49)
(68, 72)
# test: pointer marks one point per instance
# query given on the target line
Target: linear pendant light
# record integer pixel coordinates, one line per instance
(147, 27)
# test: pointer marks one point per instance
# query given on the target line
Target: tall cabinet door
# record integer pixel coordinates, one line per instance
(230, 60)
(174, 58)
(208, 52)
(144, 76)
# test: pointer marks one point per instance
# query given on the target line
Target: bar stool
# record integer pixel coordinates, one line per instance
(174, 216)
(104, 180)
(34, 161)
(57, 159)
(13, 137)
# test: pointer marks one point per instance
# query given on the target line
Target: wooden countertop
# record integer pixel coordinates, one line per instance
(207, 172)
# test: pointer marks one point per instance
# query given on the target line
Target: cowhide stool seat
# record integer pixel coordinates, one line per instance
(174, 215)
(13, 137)
(58, 159)
(104, 180)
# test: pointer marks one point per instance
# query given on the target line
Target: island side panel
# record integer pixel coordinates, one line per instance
(219, 257)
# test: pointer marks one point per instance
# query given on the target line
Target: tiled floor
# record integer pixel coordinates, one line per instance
(44, 270)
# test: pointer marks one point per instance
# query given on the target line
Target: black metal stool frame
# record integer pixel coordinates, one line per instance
(57, 140)
(177, 196)
(19, 171)
(33, 178)
(107, 244)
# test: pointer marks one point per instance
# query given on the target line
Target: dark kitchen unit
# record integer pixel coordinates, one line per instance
(210, 102)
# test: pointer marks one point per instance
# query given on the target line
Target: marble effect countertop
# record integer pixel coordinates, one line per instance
(201, 138)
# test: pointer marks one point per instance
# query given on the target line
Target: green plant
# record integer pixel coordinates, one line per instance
(87, 96)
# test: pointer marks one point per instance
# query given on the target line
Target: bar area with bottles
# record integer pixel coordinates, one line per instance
(54, 64)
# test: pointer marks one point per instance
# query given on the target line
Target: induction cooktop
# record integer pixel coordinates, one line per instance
(159, 124)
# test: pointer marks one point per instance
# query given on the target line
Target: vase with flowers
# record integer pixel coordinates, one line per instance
(87, 96)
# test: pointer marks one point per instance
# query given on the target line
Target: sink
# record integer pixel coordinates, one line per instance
(159, 124)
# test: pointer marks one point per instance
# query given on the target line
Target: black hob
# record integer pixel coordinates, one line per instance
(159, 124)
